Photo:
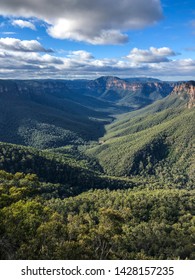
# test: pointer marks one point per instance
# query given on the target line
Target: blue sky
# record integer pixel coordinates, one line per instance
(87, 39)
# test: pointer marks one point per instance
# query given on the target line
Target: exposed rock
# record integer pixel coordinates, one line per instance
(186, 91)
(129, 92)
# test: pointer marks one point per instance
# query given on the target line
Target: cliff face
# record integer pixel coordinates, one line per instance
(107, 88)
(120, 87)
(32, 88)
(133, 93)
(186, 91)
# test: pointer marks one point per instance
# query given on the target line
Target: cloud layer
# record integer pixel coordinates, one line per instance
(28, 59)
(95, 22)
(153, 55)
(16, 45)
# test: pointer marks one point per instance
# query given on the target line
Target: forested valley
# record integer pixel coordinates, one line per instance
(99, 169)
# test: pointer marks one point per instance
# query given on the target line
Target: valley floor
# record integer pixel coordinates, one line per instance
(83, 181)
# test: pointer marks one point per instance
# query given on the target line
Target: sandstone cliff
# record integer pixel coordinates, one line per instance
(130, 93)
(186, 91)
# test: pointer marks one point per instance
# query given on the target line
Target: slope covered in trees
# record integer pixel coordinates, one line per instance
(127, 195)
(131, 224)
(156, 140)
(45, 114)
(74, 175)
(53, 113)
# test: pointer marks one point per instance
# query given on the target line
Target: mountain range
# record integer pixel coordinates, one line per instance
(50, 113)
(158, 136)
(128, 127)
(98, 169)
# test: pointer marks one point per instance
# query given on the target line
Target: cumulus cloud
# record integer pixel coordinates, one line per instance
(80, 54)
(23, 24)
(28, 65)
(28, 59)
(63, 29)
(153, 55)
(107, 37)
(95, 22)
(12, 44)
(41, 60)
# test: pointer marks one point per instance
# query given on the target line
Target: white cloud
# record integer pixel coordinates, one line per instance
(81, 55)
(153, 55)
(106, 37)
(28, 65)
(23, 24)
(12, 44)
(64, 29)
(96, 22)
(18, 60)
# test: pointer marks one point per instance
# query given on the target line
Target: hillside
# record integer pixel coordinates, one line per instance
(133, 93)
(42, 114)
(73, 172)
(54, 113)
(49, 115)
(156, 140)
(100, 224)
(83, 176)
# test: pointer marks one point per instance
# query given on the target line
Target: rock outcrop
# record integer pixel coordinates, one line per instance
(129, 92)
(186, 91)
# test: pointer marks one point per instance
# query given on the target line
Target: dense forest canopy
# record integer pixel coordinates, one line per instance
(99, 169)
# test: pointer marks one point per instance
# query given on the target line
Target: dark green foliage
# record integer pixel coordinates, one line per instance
(158, 137)
(46, 114)
(131, 224)
(75, 174)
(52, 113)
(66, 201)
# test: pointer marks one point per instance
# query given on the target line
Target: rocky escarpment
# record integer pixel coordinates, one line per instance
(32, 88)
(107, 83)
(186, 91)
(133, 94)
(125, 92)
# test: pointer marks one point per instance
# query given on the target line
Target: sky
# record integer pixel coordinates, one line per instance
(86, 39)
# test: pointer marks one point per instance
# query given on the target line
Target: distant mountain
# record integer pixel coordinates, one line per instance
(94, 178)
(142, 80)
(158, 139)
(129, 93)
(54, 113)
(47, 114)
